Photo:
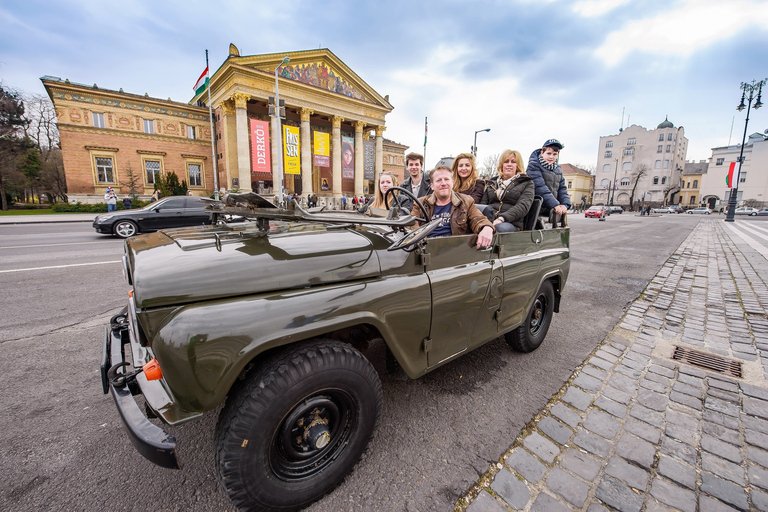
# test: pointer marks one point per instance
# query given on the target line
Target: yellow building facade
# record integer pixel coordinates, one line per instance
(580, 184)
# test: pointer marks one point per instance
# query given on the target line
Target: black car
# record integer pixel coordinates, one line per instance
(170, 212)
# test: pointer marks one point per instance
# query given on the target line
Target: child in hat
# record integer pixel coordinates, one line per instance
(544, 170)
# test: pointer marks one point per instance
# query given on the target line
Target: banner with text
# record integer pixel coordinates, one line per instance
(369, 158)
(347, 157)
(322, 152)
(291, 149)
(260, 161)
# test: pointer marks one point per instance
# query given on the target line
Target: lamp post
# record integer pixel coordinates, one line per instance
(751, 88)
(615, 173)
(279, 114)
(474, 147)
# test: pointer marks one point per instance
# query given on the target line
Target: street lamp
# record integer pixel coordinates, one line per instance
(474, 148)
(279, 113)
(745, 87)
(615, 173)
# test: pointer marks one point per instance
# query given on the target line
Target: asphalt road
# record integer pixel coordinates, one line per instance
(66, 448)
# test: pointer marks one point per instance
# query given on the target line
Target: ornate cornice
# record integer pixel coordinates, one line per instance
(195, 156)
(129, 105)
(145, 152)
(133, 135)
(101, 148)
(337, 120)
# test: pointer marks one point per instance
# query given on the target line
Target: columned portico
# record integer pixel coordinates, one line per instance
(359, 157)
(379, 151)
(243, 158)
(336, 136)
(306, 152)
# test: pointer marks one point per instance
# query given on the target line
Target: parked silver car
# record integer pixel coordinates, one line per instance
(701, 209)
(746, 210)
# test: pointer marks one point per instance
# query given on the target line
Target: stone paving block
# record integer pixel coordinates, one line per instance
(657, 365)
(636, 450)
(685, 378)
(678, 450)
(724, 490)
(684, 419)
(757, 476)
(673, 495)
(555, 429)
(595, 372)
(721, 406)
(687, 400)
(758, 456)
(759, 500)
(601, 424)
(643, 430)
(725, 385)
(722, 468)
(617, 495)
(754, 391)
(544, 448)
(609, 406)
(604, 354)
(720, 448)
(646, 415)
(687, 389)
(566, 414)
(755, 407)
(655, 377)
(652, 400)
(756, 438)
(616, 395)
(592, 443)
(623, 383)
(653, 385)
(654, 506)
(546, 503)
(526, 465)
(596, 507)
(709, 504)
(721, 433)
(677, 472)
(720, 418)
(724, 395)
(633, 364)
(756, 424)
(628, 372)
(601, 363)
(580, 464)
(681, 433)
(627, 473)
(509, 488)
(486, 503)
(568, 487)
(587, 383)
(577, 398)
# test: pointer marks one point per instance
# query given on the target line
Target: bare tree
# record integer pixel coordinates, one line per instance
(642, 170)
(41, 128)
(488, 168)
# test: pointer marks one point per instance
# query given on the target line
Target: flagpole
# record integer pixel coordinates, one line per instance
(425, 141)
(213, 136)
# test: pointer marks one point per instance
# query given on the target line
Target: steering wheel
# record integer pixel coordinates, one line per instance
(411, 196)
(409, 241)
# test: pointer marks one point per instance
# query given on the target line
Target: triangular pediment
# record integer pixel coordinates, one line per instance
(316, 68)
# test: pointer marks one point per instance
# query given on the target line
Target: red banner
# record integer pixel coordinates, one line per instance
(260, 147)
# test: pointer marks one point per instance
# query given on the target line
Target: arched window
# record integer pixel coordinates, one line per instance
(657, 164)
(663, 180)
(655, 180)
(695, 183)
(607, 168)
(626, 166)
(605, 183)
(666, 164)
(625, 182)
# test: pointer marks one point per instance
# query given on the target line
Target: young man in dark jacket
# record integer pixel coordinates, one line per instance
(548, 178)
(417, 180)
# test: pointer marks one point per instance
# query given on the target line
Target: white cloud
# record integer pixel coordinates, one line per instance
(684, 30)
(590, 8)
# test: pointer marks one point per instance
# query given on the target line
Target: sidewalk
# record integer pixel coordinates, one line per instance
(46, 219)
(635, 429)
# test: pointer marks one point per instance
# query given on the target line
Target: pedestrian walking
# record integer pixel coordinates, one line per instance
(127, 202)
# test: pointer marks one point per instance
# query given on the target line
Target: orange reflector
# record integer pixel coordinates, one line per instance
(130, 292)
(152, 370)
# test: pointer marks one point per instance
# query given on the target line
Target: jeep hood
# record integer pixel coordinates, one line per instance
(189, 265)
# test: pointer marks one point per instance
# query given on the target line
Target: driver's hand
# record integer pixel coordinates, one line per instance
(484, 237)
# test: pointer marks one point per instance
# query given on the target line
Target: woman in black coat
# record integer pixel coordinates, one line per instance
(510, 194)
(465, 180)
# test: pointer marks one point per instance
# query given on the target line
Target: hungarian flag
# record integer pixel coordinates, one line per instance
(202, 82)
(733, 174)
(425, 131)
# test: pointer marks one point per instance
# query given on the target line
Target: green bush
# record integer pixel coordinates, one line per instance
(93, 208)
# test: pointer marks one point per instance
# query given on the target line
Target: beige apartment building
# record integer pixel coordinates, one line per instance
(641, 165)
(753, 178)
(580, 185)
(690, 183)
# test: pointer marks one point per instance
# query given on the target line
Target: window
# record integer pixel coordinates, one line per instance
(663, 180)
(693, 199)
(689, 185)
(195, 175)
(669, 148)
(609, 143)
(669, 136)
(657, 164)
(191, 132)
(742, 177)
(152, 168)
(391, 159)
(149, 126)
(607, 168)
(661, 137)
(625, 182)
(629, 151)
(695, 183)
(104, 170)
(608, 154)
(655, 180)
(659, 148)
(632, 141)
(605, 183)
(570, 184)
(719, 161)
(666, 164)
(626, 166)
(98, 120)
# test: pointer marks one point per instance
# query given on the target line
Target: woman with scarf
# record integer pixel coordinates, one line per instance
(387, 180)
(510, 194)
(465, 180)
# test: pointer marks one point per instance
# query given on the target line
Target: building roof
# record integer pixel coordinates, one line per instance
(446, 161)
(572, 169)
(665, 123)
(692, 168)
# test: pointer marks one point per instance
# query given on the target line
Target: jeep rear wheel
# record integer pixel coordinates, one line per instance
(528, 336)
(297, 426)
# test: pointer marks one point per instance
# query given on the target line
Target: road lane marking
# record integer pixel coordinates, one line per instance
(750, 241)
(753, 230)
(47, 245)
(59, 266)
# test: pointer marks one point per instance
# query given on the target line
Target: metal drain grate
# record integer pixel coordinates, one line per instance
(708, 361)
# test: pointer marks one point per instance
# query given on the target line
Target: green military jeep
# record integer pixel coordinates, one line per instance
(269, 315)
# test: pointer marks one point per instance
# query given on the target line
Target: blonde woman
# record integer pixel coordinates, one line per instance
(510, 194)
(465, 180)
(387, 180)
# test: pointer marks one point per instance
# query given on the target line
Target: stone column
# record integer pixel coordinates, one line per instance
(228, 141)
(336, 136)
(379, 151)
(306, 153)
(359, 158)
(243, 154)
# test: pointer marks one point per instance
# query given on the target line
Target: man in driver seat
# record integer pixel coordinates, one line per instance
(459, 213)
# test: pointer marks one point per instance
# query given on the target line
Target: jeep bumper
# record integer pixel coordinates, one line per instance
(150, 440)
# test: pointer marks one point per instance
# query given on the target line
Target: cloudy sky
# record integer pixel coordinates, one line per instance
(527, 69)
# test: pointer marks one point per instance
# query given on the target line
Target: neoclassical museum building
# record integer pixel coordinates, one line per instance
(332, 132)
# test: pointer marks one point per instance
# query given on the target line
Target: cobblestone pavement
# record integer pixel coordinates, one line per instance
(636, 430)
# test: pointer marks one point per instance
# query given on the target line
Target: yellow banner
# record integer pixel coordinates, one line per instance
(322, 151)
(291, 149)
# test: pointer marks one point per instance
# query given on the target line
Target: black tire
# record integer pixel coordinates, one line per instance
(265, 455)
(530, 334)
(125, 228)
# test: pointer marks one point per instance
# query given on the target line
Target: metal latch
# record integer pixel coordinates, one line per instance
(424, 259)
(427, 345)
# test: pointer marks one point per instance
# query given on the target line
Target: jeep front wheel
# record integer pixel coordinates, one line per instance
(528, 336)
(294, 430)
